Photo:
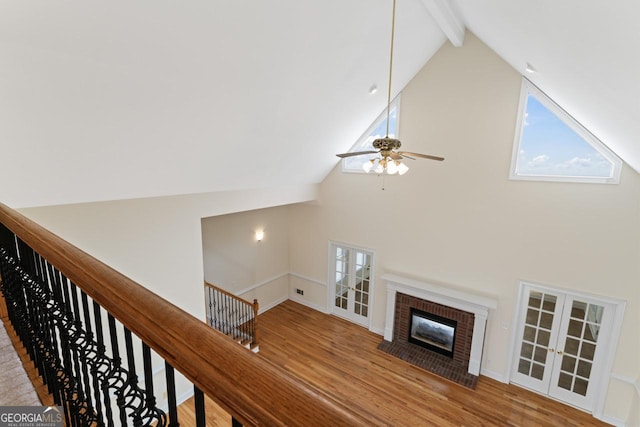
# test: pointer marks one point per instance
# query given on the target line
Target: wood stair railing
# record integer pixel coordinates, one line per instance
(233, 316)
(252, 390)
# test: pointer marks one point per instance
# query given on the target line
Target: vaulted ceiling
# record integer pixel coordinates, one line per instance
(120, 99)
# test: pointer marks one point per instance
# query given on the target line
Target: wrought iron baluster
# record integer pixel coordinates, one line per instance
(236, 325)
(151, 412)
(198, 402)
(67, 325)
(63, 334)
(88, 335)
(76, 341)
(131, 398)
(39, 326)
(75, 305)
(247, 321)
(229, 305)
(228, 314)
(85, 311)
(52, 348)
(55, 348)
(240, 321)
(56, 285)
(99, 370)
(171, 395)
(117, 379)
(232, 315)
(209, 306)
(218, 314)
(68, 304)
(85, 352)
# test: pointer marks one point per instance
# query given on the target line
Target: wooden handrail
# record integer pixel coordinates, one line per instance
(227, 293)
(218, 367)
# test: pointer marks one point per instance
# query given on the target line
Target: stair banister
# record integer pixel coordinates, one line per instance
(251, 389)
(231, 314)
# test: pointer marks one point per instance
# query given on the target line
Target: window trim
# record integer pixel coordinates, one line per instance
(528, 88)
(395, 103)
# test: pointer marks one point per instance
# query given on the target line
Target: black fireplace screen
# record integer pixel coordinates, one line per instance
(433, 332)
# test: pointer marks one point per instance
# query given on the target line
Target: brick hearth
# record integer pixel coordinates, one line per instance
(454, 369)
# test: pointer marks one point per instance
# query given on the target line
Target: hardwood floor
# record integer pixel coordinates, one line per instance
(342, 359)
(214, 414)
(34, 381)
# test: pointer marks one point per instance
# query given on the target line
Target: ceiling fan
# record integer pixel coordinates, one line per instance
(390, 158)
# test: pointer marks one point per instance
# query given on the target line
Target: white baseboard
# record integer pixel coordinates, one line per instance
(164, 405)
(377, 331)
(309, 304)
(183, 397)
(613, 421)
(494, 375)
(273, 304)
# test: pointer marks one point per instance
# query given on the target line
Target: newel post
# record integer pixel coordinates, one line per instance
(256, 306)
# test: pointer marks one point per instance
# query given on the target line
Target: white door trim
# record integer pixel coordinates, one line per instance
(331, 286)
(619, 307)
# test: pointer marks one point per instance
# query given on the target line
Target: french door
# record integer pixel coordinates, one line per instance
(563, 344)
(352, 284)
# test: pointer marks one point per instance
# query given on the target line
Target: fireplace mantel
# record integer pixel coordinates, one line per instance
(476, 304)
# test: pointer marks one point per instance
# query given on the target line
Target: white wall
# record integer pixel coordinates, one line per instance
(235, 261)
(157, 242)
(634, 417)
(463, 223)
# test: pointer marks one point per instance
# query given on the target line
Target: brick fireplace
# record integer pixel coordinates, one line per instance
(468, 312)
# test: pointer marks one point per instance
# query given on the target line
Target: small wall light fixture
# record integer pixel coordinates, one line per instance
(259, 235)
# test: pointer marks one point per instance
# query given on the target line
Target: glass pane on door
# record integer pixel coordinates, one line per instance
(362, 276)
(580, 346)
(351, 293)
(538, 323)
(342, 278)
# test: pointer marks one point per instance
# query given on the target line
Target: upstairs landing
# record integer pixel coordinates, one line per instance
(16, 389)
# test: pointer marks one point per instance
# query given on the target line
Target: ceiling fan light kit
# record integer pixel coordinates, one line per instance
(391, 167)
(390, 159)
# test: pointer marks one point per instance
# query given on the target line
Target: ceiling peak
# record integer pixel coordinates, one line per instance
(448, 19)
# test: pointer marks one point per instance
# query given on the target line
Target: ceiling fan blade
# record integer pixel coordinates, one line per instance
(357, 153)
(395, 156)
(404, 156)
(424, 156)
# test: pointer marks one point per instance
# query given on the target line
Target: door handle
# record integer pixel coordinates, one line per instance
(551, 349)
(560, 352)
